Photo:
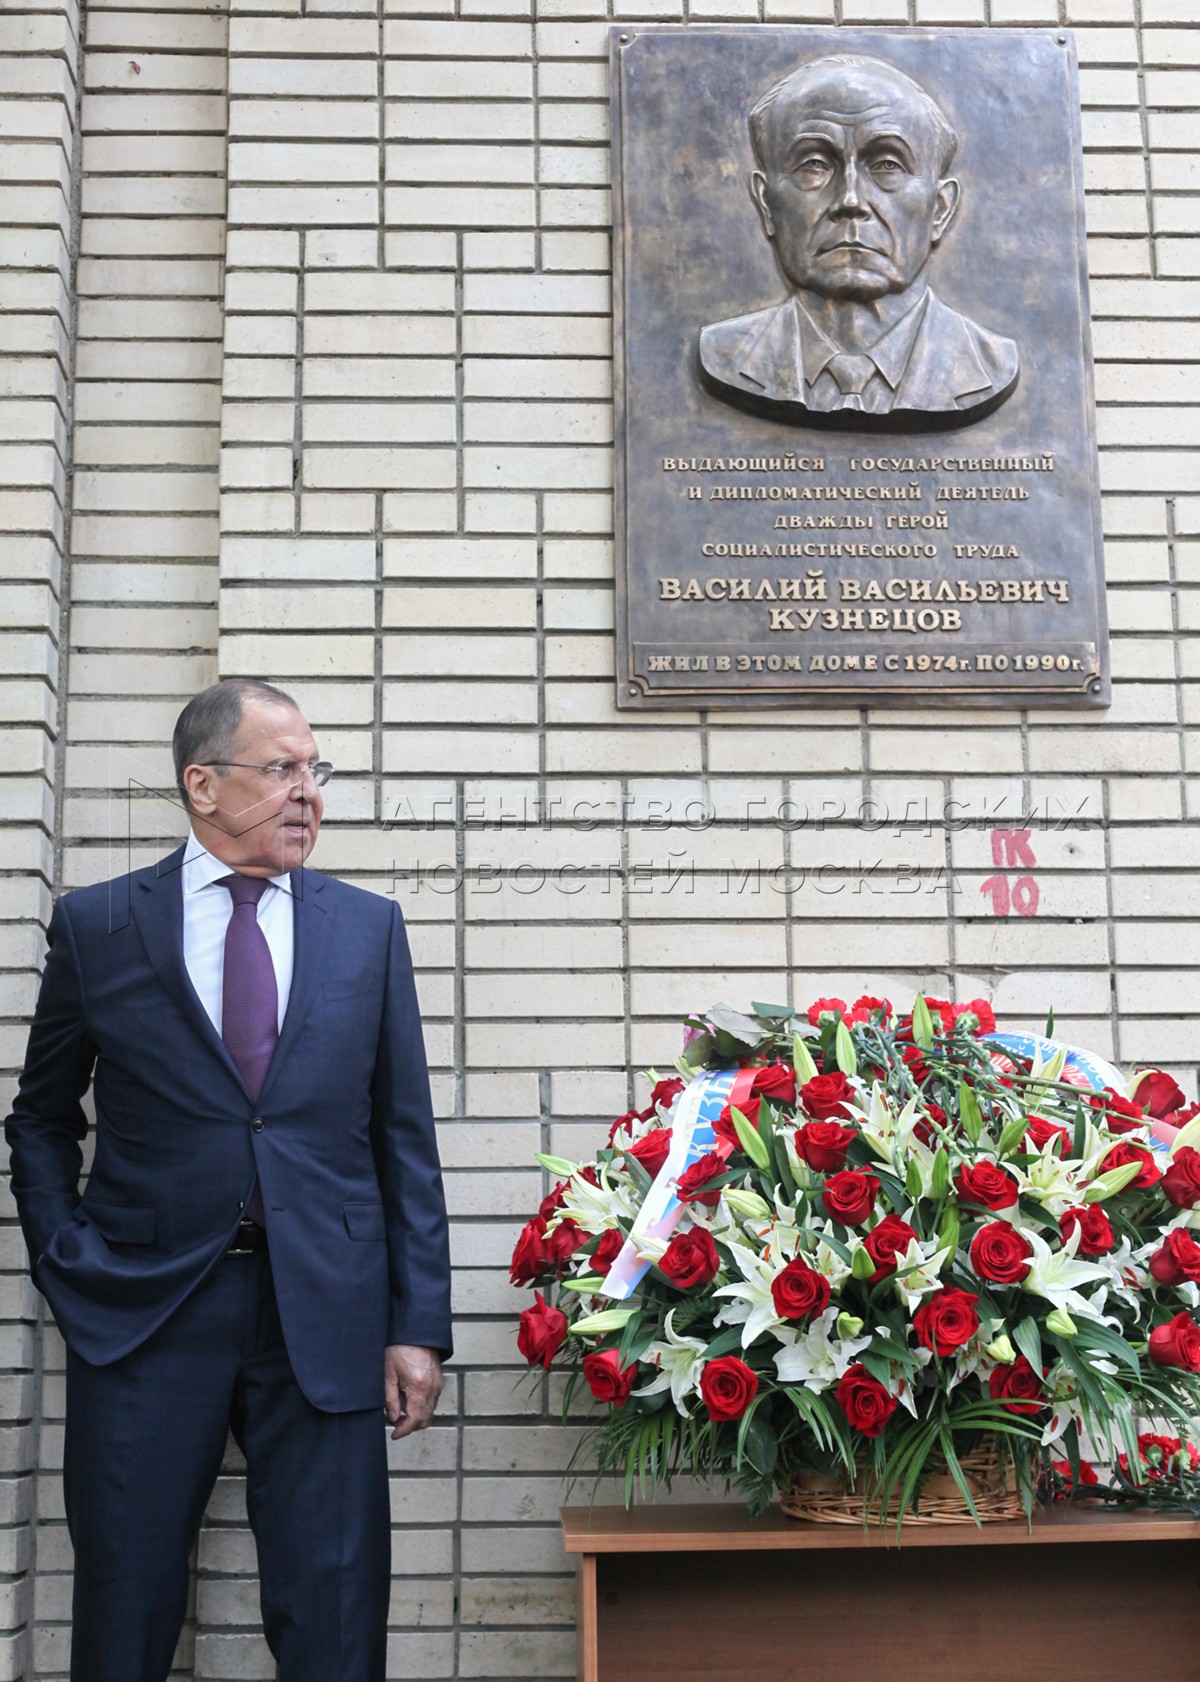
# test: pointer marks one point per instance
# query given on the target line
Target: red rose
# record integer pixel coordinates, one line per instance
(885, 1244)
(553, 1200)
(947, 1320)
(825, 1007)
(1177, 1344)
(799, 1291)
(1148, 1173)
(999, 1253)
(607, 1379)
(1181, 1182)
(1179, 1259)
(823, 1144)
(826, 1096)
(691, 1183)
(1097, 1237)
(607, 1251)
(1016, 1387)
(727, 1387)
(850, 1196)
(975, 1015)
(1041, 1133)
(541, 1332)
(723, 1126)
(865, 1402)
(665, 1092)
(986, 1184)
(1160, 1094)
(690, 1258)
(1119, 1114)
(652, 1149)
(776, 1082)
(530, 1257)
(562, 1242)
(623, 1124)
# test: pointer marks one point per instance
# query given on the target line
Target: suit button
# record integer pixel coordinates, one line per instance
(258, 1124)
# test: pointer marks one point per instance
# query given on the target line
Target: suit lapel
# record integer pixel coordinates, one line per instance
(157, 907)
(312, 924)
(943, 360)
(773, 360)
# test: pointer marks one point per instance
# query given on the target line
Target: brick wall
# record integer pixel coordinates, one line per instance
(342, 365)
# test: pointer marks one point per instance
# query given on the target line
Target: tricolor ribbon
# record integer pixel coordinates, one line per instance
(696, 1109)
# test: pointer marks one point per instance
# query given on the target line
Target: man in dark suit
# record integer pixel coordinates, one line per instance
(262, 1241)
(853, 190)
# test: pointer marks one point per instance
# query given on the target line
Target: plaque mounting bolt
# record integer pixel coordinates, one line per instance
(624, 40)
(1062, 40)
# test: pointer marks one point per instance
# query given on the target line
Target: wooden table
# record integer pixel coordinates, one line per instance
(702, 1594)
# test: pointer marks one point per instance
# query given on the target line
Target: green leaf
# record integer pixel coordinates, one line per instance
(775, 1013)
(847, 1058)
(1092, 1335)
(736, 1024)
(758, 1442)
(1028, 1340)
(950, 1231)
(749, 1138)
(1050, 1023)
(922, 1022)
(802, 1062)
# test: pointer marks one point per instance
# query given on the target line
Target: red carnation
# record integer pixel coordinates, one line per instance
(825, 1007)
(691, 1183)
(999, 1253)
(607, 1379)
(530, 1257)
(1087, 1475)
(987, 1185)
(885, 1244)
(1177, 1344)
(1178, 1260)
(826, 1097)
(1148, 1173)
(923, 1130)
(799, 1292)
(823, 1144)
(913, 1059)
(607, 1251)
(867, 1404)
(947, 1320)
(880, 1007)
(690, 1259)
(1017, 1387)
(1041, 1133)
(776, 1082)
(723, 1127)
(975, 1015)
(652, 1149)
(727, 1387)
(541, 1332)
(850, 1196)
(1181, 1182)
(1096, 1236)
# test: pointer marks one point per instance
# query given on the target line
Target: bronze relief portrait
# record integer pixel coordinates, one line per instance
(853, 188)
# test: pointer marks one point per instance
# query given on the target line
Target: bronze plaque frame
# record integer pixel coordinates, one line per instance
(769, 555)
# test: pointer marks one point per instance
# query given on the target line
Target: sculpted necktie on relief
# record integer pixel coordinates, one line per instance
(851, 375)
(249, 998)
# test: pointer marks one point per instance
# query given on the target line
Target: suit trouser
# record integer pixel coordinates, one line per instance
(144, 1443)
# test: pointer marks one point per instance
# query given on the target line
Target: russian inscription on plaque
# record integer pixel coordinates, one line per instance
(855, 430)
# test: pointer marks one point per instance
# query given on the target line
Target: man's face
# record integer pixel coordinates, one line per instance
(850, 191)
(249, 818)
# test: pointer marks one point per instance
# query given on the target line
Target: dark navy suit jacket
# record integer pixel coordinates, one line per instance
(341, 1136)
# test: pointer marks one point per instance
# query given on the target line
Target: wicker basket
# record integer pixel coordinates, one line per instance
(989, 1476)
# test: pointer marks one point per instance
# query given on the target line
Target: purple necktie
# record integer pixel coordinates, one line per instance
(250, 997)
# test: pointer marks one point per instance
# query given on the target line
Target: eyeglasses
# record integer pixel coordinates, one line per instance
(285, 770)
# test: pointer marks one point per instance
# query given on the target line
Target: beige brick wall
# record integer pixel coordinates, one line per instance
(359, 350)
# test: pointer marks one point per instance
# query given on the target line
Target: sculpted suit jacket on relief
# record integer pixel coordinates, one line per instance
(954, 363)
(341, 1136)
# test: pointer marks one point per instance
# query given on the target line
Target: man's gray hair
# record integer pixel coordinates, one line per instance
(207, 728)
(945, 135)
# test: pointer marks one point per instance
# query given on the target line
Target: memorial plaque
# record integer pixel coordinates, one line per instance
(855, 425)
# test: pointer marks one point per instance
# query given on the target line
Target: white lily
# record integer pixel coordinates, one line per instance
(1055, 1275)
(596, 1208)
(751, 1304)
(918, 1272)
(815, 1357)
(1052, 1181)
(677, 1360)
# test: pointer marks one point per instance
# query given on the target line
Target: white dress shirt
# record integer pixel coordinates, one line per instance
(207, 908)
